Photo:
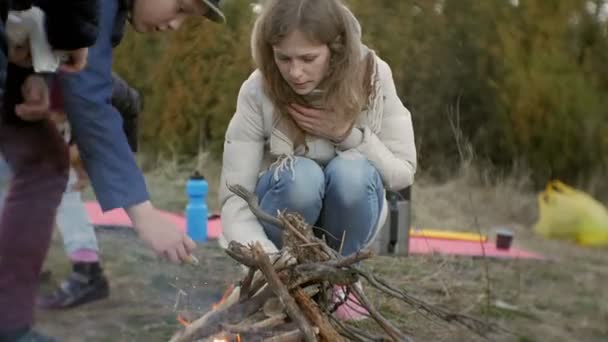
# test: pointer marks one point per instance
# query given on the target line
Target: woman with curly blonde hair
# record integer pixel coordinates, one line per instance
(318, 129)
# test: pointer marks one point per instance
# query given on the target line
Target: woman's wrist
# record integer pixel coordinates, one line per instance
(342, 137)
(352, 139)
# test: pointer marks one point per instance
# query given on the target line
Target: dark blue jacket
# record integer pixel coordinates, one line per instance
(97, 126)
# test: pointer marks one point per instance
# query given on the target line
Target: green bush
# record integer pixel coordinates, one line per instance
(521, 84)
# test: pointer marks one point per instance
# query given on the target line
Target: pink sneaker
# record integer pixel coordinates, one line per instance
(351, 309)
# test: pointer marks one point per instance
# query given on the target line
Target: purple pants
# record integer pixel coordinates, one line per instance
(38, 158)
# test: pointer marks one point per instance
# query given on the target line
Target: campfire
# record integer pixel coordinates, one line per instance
(290, 296)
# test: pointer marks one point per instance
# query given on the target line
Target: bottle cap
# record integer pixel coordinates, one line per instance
(197, 176)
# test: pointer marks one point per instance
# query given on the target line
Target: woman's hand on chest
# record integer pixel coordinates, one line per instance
(319, 122)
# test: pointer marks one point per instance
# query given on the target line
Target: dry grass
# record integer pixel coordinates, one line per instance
(470, 196)
(167, 179)
(563, 299)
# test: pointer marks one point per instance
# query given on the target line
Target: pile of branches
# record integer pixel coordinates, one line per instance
(290, 296)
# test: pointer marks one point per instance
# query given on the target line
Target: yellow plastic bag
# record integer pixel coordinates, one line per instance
(566, 213)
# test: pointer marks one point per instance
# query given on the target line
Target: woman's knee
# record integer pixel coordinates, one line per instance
(303, 181)
(349, 178)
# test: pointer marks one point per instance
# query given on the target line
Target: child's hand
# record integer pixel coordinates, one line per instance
(158, 232)
(19, 54)
(77, 60)
(76, 163)
(80, 185)
(36, 100)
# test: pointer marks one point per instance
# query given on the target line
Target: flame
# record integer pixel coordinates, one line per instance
(183, 321)
(224, 339)
(224, 297)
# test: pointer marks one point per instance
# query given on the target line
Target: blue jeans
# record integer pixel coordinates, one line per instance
(343, 198)
(72, 218)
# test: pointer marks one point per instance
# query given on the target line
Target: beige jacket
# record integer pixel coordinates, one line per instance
(384, 136)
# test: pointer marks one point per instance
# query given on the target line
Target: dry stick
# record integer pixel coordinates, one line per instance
(250, 321)
(349, 334)
(354, 258)
(241, 254)
(387, 289)
(312, 290)
(322, 245)
(254, 281)
(246, 284)
(226, 335)
(314, 313)
(257, 284)
(342, 241)
(291, 336)
(284, 261)
(256, 328)
(281, 259)
(287, 225)
(252, 201)
(471, 323)
(209, 323)
(393, 332)
(312, 244)
(263, 335)
(340, 261)
(383, 286)
(259, 281)
(282, 223)
(281, 291)
(485, 262)
(269, 322)
(318, 272)
(352, 333)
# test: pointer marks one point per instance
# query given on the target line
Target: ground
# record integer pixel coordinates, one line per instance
(562, 299)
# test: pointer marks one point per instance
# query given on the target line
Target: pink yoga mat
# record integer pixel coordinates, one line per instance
(418, 245)
(118, 217)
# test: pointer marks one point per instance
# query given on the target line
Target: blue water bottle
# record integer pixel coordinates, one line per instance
(196, 210)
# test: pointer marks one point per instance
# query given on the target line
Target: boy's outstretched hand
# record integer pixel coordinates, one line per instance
(160, 233)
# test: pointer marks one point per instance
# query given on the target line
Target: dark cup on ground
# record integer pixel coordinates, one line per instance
(504, 239)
